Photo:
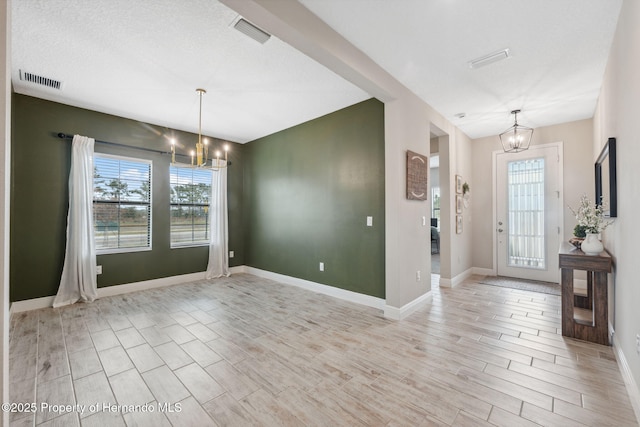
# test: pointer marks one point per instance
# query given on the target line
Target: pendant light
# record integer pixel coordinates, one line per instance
(200, 156)
(517, 138)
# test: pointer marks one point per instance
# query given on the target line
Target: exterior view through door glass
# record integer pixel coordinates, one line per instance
(528, 213)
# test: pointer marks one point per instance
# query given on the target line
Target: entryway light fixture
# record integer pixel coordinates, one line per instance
(517, 138)
(200, 156)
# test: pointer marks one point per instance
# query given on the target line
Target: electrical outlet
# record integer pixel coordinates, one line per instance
(322, 266)
(638, 343)
(369, 221)
(98, 269)
(231, 254)
(418, 276)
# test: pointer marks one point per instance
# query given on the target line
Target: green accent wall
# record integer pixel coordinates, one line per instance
(307, 193)
(39, 197)
(296, 198)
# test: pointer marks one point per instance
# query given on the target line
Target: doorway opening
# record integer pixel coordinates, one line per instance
(438, 202)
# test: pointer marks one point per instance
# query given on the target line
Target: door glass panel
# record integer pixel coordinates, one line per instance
(525, 187)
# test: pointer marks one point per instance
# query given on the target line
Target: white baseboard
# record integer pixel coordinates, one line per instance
(44, 302)
(454, 281)
(332, 291)
(627, 375)
(483, 271)
(109, 291)
(396, 313)
(30, 304)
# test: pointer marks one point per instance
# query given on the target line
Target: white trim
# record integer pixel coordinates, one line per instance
(455, 281)
(44, 302)
(149, 284)
(627, 376)
(31, 304)
(403, 312)
(332, 291)
(483, 271)
(343, 294)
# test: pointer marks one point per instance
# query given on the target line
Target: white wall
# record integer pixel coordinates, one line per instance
(5, 170)
(617, 116)
(461, 163)
(407, 127)
(578, 179)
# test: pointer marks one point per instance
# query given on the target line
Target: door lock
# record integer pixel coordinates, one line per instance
(500, 230)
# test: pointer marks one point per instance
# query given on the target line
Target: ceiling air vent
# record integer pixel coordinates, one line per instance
(490, 58)
(252, 31)
(40, 80)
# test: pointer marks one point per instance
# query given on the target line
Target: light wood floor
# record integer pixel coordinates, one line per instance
(249, 351)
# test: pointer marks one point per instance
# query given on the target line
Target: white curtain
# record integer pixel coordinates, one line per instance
(78, 281)
(218, 218)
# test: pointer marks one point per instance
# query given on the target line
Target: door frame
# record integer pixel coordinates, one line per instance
(494, 196)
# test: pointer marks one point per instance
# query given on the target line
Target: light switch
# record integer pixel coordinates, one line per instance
(369, 221)
(424, 220)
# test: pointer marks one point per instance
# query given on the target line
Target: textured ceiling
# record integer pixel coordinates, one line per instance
(144, 59)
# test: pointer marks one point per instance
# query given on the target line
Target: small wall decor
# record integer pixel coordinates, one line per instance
(417, 173)
(458, 224)
(466, 194)
(458, 204)
(458, 184)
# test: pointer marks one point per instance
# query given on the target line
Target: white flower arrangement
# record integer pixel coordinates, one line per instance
(591, 216)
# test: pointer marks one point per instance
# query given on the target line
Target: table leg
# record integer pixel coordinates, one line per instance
(600, 307)
(567, 302)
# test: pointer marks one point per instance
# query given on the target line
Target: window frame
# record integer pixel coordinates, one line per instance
(119, 250)
(191, 244)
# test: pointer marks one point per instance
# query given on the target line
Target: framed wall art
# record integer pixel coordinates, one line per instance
(458, 184)
(417, 173)
(459, 202)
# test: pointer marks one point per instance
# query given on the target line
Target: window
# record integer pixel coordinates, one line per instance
(526, 213)
(121, 204)
(190, 192)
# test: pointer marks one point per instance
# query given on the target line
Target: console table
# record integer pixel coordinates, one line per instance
(594, 326)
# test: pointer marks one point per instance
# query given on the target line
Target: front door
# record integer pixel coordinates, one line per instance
(529, 213)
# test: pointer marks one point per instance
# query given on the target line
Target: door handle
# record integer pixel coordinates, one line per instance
(500, 230)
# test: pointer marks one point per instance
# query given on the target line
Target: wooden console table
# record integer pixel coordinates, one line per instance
(595, 327)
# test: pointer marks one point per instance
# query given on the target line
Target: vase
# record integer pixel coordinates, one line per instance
(592, 245)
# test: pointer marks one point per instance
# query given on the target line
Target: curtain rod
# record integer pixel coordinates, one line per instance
(116, 144)
(65, 136)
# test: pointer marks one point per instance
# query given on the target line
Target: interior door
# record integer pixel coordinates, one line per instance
(528, 213)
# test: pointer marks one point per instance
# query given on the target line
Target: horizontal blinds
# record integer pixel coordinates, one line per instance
(190, 191)
(122, 203)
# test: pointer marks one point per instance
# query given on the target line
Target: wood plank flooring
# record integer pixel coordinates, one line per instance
(248, 351)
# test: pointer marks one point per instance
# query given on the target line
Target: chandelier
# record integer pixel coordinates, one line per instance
(517, 138)
(200, 156)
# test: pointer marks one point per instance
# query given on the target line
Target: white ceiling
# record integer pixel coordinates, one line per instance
(144, 59)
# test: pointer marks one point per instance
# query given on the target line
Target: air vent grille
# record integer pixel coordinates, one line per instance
(40, 80)
(252, 31)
